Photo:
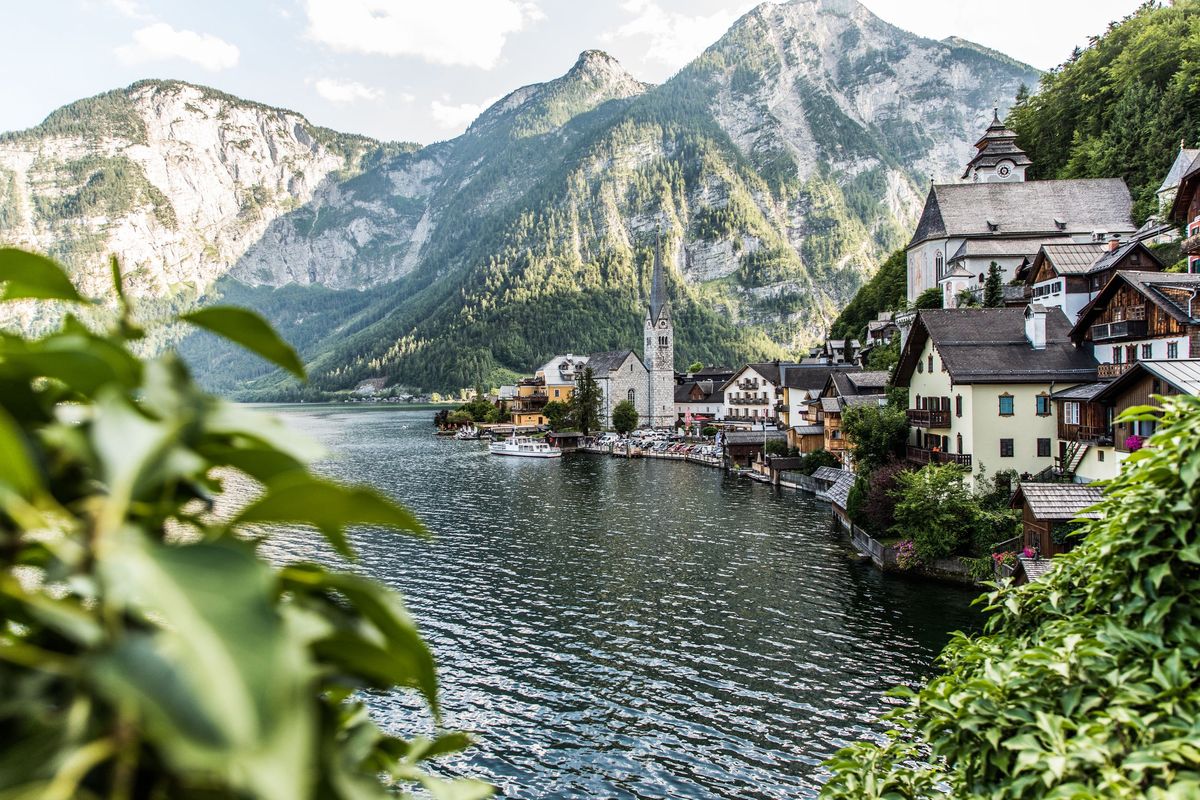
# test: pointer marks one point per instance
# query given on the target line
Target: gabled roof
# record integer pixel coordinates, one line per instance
(1026, 209)
(1169, 291)
(769, 370)
(1058, 501)
(1084, 392)
(988, 345)
(1182, 374)
(1188, 186)
(812, 376)
(1179, 168)
(868, 382)
(830, 474)
(603, 364)
(1111, 258)
(1067, 258)
(753, 437)
(710, 392)
(839, 493)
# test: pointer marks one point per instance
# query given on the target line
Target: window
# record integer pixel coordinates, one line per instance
(1147, 352)
(1131, 353)
(920, 366)
(1006, 405)
(958, 407)
(1172, 349)
(1006, 448)
(1043, 448)
(662, 341)
(556, 392)
(959, 437)
(1117, 354)
(1043, 405)
(939, 265)
(632, 395)
(1071, 412)
(930, 364)
(1100, 454)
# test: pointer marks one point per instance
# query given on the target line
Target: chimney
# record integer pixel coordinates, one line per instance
(1114, 243)
(1035, 325)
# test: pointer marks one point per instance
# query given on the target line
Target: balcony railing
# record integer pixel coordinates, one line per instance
(747, 384)
(919, 455)
(748, 400)
(925, 418)
(1125, 329)
(1191, 245)
(1106, 371)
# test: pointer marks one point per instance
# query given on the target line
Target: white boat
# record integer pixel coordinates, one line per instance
(525, 447)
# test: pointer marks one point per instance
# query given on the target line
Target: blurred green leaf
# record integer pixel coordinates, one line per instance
(250, 331)
(17, 469)
(32, 276)
(329, 507)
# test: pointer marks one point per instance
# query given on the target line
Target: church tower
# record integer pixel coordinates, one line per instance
(998, 159)
(659, 353)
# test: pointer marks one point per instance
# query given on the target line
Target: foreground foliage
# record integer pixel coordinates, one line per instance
(146, 649)
(1083, 684)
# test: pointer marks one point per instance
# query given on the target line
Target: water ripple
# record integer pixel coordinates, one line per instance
(628, 629)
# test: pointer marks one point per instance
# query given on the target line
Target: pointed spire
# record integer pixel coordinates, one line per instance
(658, 290)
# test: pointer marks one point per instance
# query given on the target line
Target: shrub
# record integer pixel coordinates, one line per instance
(817, 459)
(879, 500)
(1082, 684)
(776, 447)
(934, 508)
(149, 650)
(906, 555)
(708, 431)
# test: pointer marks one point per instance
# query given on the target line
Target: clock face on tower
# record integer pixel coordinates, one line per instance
(1004, 170)
(662, 323)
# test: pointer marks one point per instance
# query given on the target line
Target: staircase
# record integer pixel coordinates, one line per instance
(1073, 457)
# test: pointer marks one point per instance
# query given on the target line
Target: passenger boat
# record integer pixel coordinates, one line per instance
(525, 447)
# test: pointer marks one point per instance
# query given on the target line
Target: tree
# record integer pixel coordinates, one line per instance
(885, 356)
(878, 510)
(993, 287)
(935, 509)
(817, 459)
(776, 447)
(876, 434)
(557, 414)
(585, 403)
(1081, 684)
(930, 298)
(624, 417)
(149, 649)
(695, 367)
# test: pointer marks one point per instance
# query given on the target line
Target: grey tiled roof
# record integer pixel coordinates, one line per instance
(1005, 248)
(1071, 259)
(1026, 208)
(1182, 374)
(1058, 501)
(1035, 568)
(863, 400)
(829, 474)
(808, 430)
(712, 392)
(873, 379)
(839, 493)
(604, 363)
(812, 376)
(1082, 392)
(1178, 169)
(753, 437)
(988, 345)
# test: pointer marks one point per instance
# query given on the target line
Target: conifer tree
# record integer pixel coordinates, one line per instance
(585, 403)
(993, 287)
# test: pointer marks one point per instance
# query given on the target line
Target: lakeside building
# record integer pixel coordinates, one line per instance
(1069, 276)
(1048, 514)
(621, 375)
(702, 401)
(1140, 316)
(553, 381)
(980, 382)
(1000, 217)
(842, 390)
(802, 385)
(751, 395)
(1092, 444)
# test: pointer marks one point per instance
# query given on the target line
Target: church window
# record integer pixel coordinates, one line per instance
(631, 395)
(662, 341)
(930, 364)
(939, 265)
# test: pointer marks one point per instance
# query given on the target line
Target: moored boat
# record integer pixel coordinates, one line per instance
(525, 447)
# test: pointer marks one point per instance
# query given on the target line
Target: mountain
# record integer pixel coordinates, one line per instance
(775, 169)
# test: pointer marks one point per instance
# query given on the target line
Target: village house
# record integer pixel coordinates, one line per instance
(1141, 316)
(844, 389)
(980, 382)
(700, 401)
(1049, 515)
(1092, 443)
(553, 381)
(751, 395)
(802, 385)
(999, 217)
(1185, 211)
(1069, 276)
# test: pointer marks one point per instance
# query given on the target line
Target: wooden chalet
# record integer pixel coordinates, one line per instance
(1138, 386)
(1049, 514)
(1185, 211)
(1070, 276)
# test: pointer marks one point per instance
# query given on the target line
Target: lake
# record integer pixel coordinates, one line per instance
(628, 629)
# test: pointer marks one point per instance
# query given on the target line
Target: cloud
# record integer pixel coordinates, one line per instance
(128, 8)
(161, 42)
(459, 32)
(457, 117)
(675, 38)
(336, 91)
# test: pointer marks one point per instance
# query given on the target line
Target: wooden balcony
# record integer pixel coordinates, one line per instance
(1105, 371)
(919, 455)
(925, 418)
(1191, 245)
(1086, 434)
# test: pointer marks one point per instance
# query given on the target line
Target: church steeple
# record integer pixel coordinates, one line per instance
(998, 159)
(658, 289)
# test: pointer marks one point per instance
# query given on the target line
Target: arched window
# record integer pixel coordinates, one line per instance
(939, 264)
(631, 395)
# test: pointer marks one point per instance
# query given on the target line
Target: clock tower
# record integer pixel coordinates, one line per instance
(998, 159)
(659, 352)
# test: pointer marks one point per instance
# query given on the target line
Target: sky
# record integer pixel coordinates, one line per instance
(421, 70)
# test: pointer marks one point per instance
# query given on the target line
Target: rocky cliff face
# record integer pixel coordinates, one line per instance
(777, 168)
(177, 179)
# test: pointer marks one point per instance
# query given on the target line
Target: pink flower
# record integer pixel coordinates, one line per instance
(1134, 443)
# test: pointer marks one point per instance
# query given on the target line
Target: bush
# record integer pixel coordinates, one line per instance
(708, 431)
(817, 459)
(879, 500)
(776, 447)
(876, 434)
(149, 650)
(934, 508)
(624, 417)
(930, 298)
(1082, 684)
